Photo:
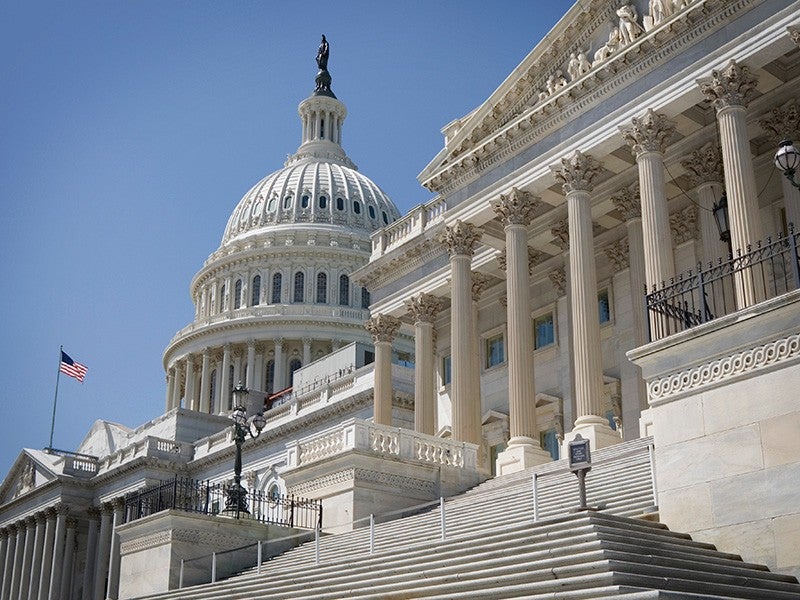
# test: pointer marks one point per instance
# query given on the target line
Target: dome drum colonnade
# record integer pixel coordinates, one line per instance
(651, 260)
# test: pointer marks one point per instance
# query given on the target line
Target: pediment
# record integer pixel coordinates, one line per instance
(28, 472)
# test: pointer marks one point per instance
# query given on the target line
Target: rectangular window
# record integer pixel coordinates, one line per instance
(603, 306)
(447, 370)
(544, 333)
(495, 351)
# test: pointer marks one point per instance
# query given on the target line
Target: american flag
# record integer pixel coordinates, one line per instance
(72, 368)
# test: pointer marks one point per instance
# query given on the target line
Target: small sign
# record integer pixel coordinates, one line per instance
(580, 456)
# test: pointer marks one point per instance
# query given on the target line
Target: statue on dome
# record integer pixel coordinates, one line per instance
(323, 79)
(322, 55)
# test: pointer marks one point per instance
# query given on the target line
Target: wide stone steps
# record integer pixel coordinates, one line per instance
(585, 555)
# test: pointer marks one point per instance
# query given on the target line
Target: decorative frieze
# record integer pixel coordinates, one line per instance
(704, 165)
(383, 328)
(577, 172)
(627, 202)
(558, 277)
(560, 233)
(650, 133)
(782, 122)
(683, 225)
(460, 238)
(424, 307)
(618, 255)
(516, 208)
(733, 85)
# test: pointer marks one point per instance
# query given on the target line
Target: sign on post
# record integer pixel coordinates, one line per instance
(580, 456)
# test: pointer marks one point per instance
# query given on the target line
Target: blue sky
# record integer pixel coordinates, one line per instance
(130, 130)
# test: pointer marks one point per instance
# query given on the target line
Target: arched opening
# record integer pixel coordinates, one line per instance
(322, 288)
(276, 288)
(294, 364)
(344, 290)
(299, 287)
(256, 295)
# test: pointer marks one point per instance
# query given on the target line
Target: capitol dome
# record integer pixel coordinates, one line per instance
(276, 295)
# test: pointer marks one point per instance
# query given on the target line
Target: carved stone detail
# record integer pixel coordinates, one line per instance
(534, 258)
(460, 239)
(704, 165)
(560, 233)
(503, 300)
(650, 133)
(516, 208)
(733, 85)
(618, 255)
(737, 365)
(558, 277)
(480, 282)
(782, 122)
(794, 33)
(683, 225)
(628, 203)
(383, 328)
(577, 172)
(424, 307)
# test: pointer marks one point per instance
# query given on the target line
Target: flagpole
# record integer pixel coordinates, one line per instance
(55, 400)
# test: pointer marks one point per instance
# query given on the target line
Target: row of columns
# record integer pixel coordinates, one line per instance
(249, 367)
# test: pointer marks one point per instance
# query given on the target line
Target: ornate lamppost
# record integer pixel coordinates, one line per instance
(242, 427)
(787, 159)
(720, 212)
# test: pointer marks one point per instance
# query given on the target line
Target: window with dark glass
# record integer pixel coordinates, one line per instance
(304, 201)
(277, 281)
(495, 351)
(269, 384)
(221, 303)
(256, 296)
(447, 370)
(365, 299)
(294, 364)
(287, 201)
(543, 331)
(299, 287)
(237, 294)
(212, 390)
(604, 308)
(230, 387)
(371, 211)
(322, 288)
(344, 290)
(323, 201)
(339, 203)
(357, 207)
(385, 218)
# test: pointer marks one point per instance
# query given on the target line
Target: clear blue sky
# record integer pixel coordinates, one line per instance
(130, 130)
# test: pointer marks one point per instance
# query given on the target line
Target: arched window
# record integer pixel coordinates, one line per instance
(221, 304)
(322, 129)
(299, 287)
(344, 290)
(357, 207)
(322, 288)
(371, 212)
(323, 201)
(294, 364)
(273, 492)
(365, 299)
(271, 205)
(212, 393)
(304, 201)
(269, 384)
(256, 296)
(339, 203)
(385, 218)
(287, 202)
(237, 294)
(276, 288)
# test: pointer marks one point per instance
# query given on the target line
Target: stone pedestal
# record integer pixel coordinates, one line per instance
(520, 457)
(598, 432)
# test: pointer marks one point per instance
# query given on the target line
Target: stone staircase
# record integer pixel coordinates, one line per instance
(494, 549)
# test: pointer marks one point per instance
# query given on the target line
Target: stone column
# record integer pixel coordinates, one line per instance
(516, 211)
(576, 175)
(69, 559)
(103, 549)
(704, 167)
(19, 553)
(8, 568)
(730, 90)
(114, 557)
(280, 370)
(27, 558)
(191, 397)
(783, 123)
(205, 382)
(47, 554)
(58, 552)
(3, 554)
(306, 351)
(91, 554)
(460, 240)
(176, 397)
(224, 390)
(648, 137)
(423, 309)
(168, 403)
(251, 365)
(627, 203)
(383, 329)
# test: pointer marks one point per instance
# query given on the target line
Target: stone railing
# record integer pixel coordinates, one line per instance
(410, 226)
(395, 442)
(148, 447)
(79, 466)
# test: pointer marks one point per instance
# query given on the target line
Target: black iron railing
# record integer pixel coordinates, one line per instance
(197, 496)
(709, 292)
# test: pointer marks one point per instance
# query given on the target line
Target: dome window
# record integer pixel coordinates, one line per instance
(372, 212)
(287, 202)
(299, 286)
(304, 201)
(221, 304)
(344, 290)
(365, 299)
(339, 203)
(322, 288)
(294, 364)
(323, 201)
(256, 299)
(271, 205)
(237, 294)
(276, 288)
(385, 218)
(357, 207)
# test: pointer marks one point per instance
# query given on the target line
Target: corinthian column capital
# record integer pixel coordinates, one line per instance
(618, 255)
(424, 307)
(782, 122)
(560, 233)
(516, 208)
(704, 165)
(577, 172)
(733, 85)
(480, 282)
(383, 328)
(558, 277)
(460, 238)
(628, 203)
(650, 133)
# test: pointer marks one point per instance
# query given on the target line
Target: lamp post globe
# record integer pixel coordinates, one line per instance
(237, 495)
(787, 160)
